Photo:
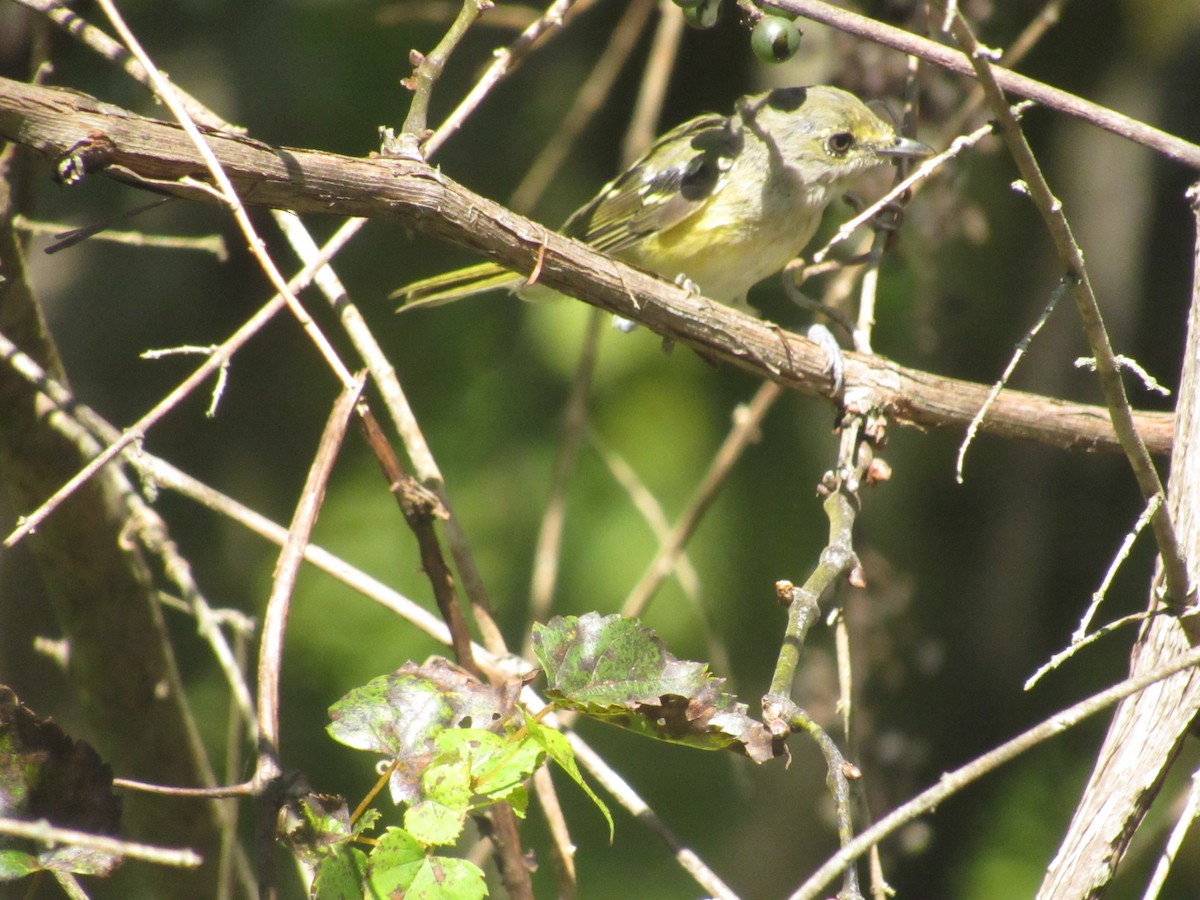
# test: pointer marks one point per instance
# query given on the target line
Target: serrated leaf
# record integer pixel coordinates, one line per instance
(46, 774)
(316, 825)
(400, 715)
(614, 669)
(433, 823)
(448, 781)
(340, 875)
(446, 878)
(499, 764)
(518, 799)
(559, 749)
(394, 862)
(399, 867)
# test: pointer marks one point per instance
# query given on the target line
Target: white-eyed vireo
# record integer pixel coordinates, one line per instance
(721, 201)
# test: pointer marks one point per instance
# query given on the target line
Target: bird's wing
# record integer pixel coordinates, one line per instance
(676, 177)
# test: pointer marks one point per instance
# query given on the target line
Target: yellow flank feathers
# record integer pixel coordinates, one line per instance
(724, 201)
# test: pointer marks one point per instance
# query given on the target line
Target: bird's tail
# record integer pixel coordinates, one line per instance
(455, 285)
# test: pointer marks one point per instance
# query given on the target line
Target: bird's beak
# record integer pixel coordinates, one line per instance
(906, 148)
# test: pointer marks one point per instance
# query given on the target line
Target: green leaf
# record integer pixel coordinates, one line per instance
(399, 866)
(616, 670)
(400, 715)
(499, 764)
(316, 825)
(446, 878)
(433, 823)
(394, 862)
(16, 864)
(340, 874)
(556, 746)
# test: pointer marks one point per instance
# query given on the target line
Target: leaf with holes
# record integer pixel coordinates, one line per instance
(400, 716)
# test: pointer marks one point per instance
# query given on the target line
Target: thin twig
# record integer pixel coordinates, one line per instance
(652, 89)
(174, 101)
(504, 62)
(1062, 655)
(421, 509)
(562, 847)
(953, 782)
(1048, 16)
(135, 433)
(897, 38)
(919, 174)
(548, 548)
(1187, 816)
(744, 431)
(213, 244)
(588, 101)
(1018, 352)
(270, 655)
(427, 69)
(1179, 588)
(45, 833)
(96, 39)
(618, 787)
(1121, 555)
(151, 530)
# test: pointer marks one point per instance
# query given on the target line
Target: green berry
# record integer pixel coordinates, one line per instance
(687, 4)
(703, 14)
(775, 39)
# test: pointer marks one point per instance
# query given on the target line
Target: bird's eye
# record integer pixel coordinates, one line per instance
(839, 144)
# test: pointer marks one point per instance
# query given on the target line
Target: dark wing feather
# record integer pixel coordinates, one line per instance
(675, 177)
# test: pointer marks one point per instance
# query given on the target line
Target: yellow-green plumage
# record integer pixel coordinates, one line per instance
(724, 201)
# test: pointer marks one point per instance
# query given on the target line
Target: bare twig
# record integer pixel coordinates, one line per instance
(1019, 352)
(1178, 581)
(1167, 144)
(1146, 731)
(136, 432)
(619, 788)
(270, 657)
(591, 96)
(547, 550)
(152, 531)
(643, 123)
(427, 69)
(45, 833)
(741, 435)
(91, 36)
(174, 101)
(927, 167)
(1187, 816)
(953, 782)
(270, 654)
(213, 244)
(421, 509)
(55, 121)
(503, 63)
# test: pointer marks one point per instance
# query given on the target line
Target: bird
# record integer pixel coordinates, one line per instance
(717, 203)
